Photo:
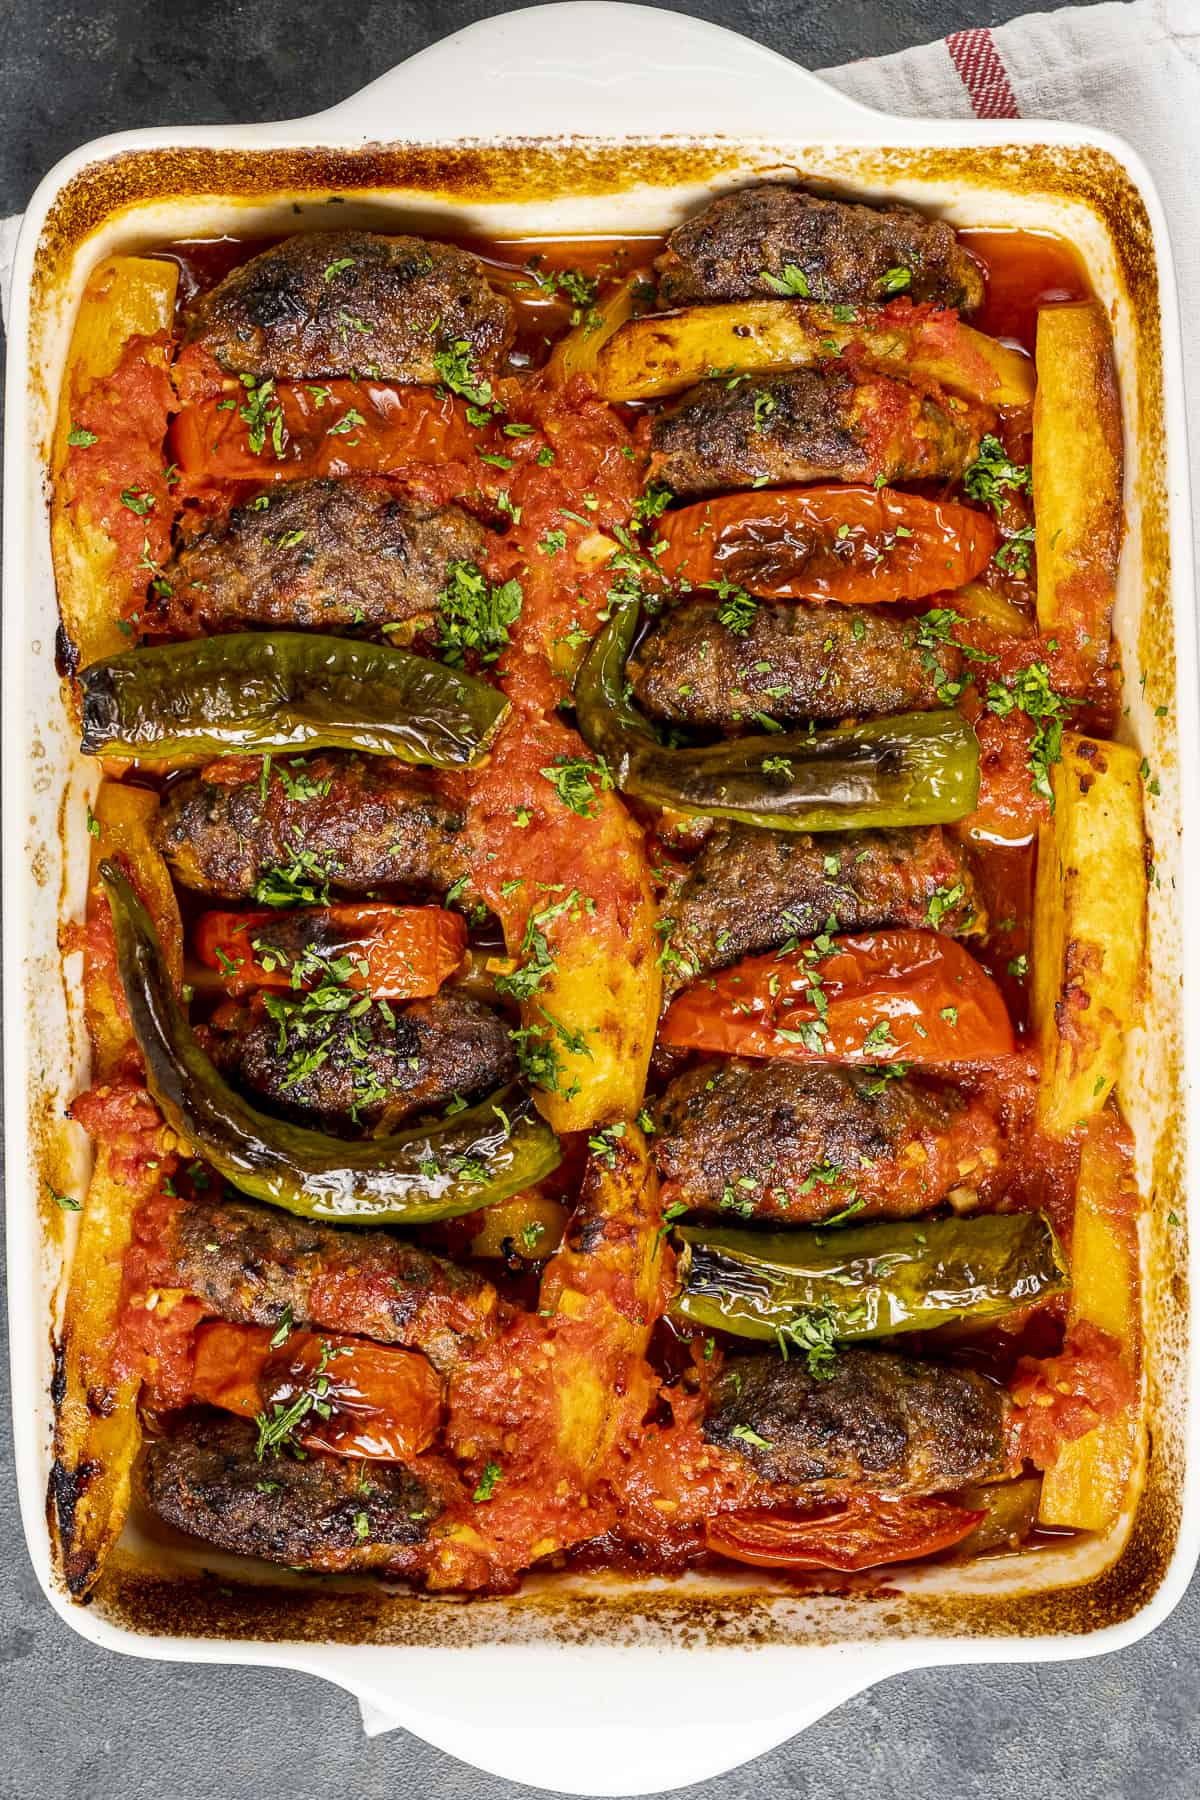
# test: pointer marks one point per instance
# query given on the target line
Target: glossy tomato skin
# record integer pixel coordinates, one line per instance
(874, 997)
(394, 952)
(867, 1531)
(857, 546)
(375, 1400)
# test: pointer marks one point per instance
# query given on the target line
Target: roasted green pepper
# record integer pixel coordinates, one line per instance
(431, 1172)
(869, 1280)
(914, 769)
(285, 691)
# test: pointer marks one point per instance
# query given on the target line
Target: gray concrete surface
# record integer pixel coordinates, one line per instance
(74, 1721)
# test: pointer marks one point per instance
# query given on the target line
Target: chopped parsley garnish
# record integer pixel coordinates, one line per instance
(651, 503)
(993, 474)
(486, 1486)
(338, 267)
(67, 1202)
(278, 1431)
(896, 281)
(475, 615)
(1031, 693)
(793, 282)
(138, 501)
(453, 364)
(737, 609)
(80, 438)
(1015, 554)
(746, 1434)
(814, 1333)
(574, 780)
(348, 421)
(262, 415)
(765, 405)
(943, 900)
(302, 882)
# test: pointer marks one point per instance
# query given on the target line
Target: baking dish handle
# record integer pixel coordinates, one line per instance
(596, 69)
(593, 1730)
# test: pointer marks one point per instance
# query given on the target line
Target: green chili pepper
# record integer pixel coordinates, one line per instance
(869, 1280)
(282, 691)
(914, 769)
(431, 1172)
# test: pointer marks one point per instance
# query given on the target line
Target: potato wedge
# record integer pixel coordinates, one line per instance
(1077, 476)
(95, 540)
(1086, 1487)
(604, 1296)
(663, 353)
(577, 353)
(97, 1434)
(1089, 928)
(605, 987)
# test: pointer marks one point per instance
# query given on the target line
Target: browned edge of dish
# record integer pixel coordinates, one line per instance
(197, 1604)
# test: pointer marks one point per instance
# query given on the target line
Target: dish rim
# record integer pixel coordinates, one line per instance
(833, 120)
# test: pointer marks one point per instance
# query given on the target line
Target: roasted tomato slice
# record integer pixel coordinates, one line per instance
(324, 1392)
(853, 545)
(392, 952)
(879, 997)
(864, 1532)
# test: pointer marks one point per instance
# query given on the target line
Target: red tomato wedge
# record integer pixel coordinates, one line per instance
(866, 1531)
(383, 1403)
(883, 996)
(327, 428)
(854, 545)
(394, 952)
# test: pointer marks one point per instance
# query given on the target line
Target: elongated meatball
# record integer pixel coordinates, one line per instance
(779, 1140)
(354, 302)
(792, 660)
(347, 822)
(318, 1512)
(751, 890)
(313, 554)
(885, 1423)
(255, 1265)
(746, 245)
(820, 424)
(350, 1068)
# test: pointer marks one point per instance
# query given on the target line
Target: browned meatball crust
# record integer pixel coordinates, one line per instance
(350, 823)
(750, 890)
(792, 660)
(799, 1143)
(318, 1512)
(316, 555)
(844, 253)
(819, 424)
(353, 303)
(889, 1424)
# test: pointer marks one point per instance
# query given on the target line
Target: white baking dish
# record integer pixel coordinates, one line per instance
(606, 119)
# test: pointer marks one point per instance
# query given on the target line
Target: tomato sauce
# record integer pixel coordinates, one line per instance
(555, 473)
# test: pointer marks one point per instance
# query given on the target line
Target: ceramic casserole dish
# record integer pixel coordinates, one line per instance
(624, 119)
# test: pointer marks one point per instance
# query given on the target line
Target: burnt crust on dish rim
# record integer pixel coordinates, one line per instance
(427, 181)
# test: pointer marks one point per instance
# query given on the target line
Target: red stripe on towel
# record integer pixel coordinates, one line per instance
(975, 56)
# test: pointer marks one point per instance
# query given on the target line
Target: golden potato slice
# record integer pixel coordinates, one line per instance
(577, 352)
(663, 353)
(1077, 476)
(97, 1435)
(1088, 1484)
(126, 297)
(1089, 928)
